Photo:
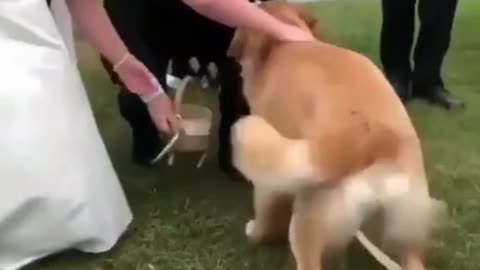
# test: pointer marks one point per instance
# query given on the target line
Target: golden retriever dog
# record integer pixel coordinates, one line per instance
(328, 147)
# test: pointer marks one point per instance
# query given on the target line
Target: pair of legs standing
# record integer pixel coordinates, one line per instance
(423, 80)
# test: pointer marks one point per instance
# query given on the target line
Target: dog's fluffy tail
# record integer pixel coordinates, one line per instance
(412, 216)
(267, 158)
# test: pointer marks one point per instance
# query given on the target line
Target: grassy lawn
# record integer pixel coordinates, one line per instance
(189, 219)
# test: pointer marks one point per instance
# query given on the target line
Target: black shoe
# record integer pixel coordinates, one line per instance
(401, 86)
(439, 96)
(146, 147)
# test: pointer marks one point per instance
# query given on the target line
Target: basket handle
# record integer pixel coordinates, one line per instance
(178, 99)
(179, 92)
(166, 149)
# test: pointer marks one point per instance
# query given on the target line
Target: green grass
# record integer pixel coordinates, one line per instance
(189, 219)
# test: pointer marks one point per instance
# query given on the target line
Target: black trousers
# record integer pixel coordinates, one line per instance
(159, 31)
(397, 38)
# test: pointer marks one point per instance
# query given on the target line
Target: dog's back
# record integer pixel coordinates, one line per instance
(325, 84)
(335, 98)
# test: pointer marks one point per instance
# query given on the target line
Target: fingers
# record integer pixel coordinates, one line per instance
(169, 124)
(295, 33)
(164, 115)
(175, 123)
(164, 125)
(175, 118)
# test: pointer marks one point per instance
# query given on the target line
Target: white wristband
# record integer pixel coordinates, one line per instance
(149, 98)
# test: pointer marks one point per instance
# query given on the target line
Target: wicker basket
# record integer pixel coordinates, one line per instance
(196, 121)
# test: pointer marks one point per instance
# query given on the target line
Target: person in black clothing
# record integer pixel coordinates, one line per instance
(178, 33)
(424, 80)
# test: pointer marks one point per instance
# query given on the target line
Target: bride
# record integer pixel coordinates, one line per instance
(58, 189)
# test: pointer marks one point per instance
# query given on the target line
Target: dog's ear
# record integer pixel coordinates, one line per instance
(252, 45)
(309, 19)
(237, 45)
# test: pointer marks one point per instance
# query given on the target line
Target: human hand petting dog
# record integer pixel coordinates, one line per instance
(293, 33)
(242, 13)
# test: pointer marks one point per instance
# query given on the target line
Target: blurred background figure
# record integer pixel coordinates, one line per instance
(423, 79)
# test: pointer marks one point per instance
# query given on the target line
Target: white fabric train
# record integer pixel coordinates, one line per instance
(58, 188)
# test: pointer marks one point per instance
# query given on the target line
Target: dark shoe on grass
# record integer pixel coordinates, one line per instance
(401, 86)
(439, 96)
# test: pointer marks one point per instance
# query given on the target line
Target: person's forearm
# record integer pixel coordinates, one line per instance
(92, 20)
(236, 13)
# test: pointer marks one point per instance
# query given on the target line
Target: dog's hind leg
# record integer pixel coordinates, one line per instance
(409, 231)
(307, 237)
(272, 216)
(324, 222)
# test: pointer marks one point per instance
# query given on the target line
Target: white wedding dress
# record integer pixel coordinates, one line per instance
(58, 189)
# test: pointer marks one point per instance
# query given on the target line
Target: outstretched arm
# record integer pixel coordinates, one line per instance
(242, 13)
(96, 27)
